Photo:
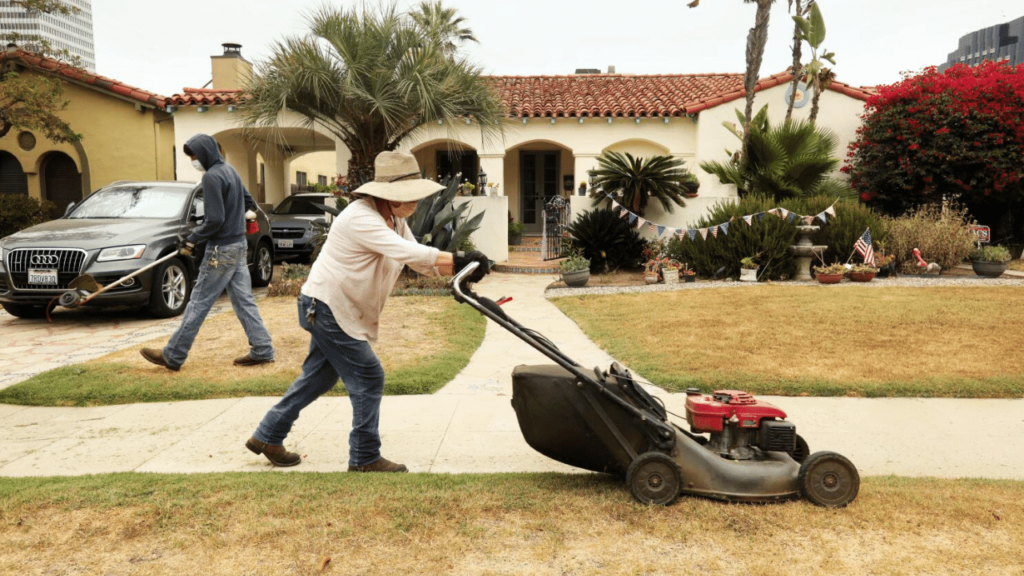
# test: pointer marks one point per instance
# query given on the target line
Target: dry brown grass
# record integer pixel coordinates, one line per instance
(810, 334)
(401, 343)
(524, 524)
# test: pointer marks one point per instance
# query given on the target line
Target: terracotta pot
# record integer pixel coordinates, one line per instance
(830, 278)
(862, 276)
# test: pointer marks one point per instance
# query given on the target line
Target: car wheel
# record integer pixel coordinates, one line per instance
(25, 310)
(171, 289)
(262, 269)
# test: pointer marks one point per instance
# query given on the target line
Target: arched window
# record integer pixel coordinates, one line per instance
(12, 177)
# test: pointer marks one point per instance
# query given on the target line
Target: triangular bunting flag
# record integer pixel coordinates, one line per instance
(760, 216)
(783, 213)
(704, 233)
(725, 228)
(691, 233)
(749, 220)
(822, 217)
(615, 205)
(625, 213)
(714, 231)
(808, 220)
(632, 217)
(774, 211)
(831, 211)
(661, 230)
(640, 221)
(791, 217)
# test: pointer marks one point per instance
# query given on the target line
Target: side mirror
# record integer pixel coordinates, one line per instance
(68, 209)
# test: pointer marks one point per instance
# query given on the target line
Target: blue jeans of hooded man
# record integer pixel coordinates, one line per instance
(332, 354)
(222, 267)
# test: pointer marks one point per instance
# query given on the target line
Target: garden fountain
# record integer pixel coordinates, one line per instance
(805, 252)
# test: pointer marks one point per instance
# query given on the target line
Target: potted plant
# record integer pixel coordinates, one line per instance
(515, 232)
(670, 270)
(687, 274)
(652, 271)
(862, 273)
(575, 270)
(831, 274)
(990, 261)
(886, 265)
(748, 269)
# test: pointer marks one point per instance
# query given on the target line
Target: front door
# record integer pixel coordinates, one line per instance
(538, 183)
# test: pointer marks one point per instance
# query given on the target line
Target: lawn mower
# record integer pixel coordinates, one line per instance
(737, 448)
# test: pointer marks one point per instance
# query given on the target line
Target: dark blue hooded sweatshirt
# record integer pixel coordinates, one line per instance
(225, 198)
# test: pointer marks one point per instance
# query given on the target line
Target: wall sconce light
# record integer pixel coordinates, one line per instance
(468, 121)
(171, 109)
(202, 108)
(524, 120)
(481, 179)
(637, 120)
(232, 108)
(581, 119)
(552, 120)
(609, 119)
(665, 119)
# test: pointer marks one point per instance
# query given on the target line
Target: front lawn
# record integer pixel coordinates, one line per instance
(959, 342)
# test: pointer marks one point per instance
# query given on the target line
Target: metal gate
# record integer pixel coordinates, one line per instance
(555, 229)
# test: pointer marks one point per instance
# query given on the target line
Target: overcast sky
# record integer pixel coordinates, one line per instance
(164, 47)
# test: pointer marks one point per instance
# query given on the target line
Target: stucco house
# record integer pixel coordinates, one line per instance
(127, 135)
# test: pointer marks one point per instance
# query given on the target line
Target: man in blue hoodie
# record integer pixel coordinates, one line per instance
(224, 264)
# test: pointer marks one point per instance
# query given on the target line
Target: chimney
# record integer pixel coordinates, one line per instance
(230, 70)
(588, 71)
(611, 69)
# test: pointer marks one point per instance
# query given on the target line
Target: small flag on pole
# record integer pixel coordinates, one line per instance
(864, 248)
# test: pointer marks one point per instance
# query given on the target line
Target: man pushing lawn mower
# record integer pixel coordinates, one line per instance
(340, 305)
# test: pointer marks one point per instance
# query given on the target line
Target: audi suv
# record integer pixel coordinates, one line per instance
(111, 233)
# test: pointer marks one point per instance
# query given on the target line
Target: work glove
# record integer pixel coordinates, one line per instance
(184, 246)
(462, 259)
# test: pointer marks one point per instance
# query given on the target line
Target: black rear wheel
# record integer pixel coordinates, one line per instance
(828, 479)
(654, 478)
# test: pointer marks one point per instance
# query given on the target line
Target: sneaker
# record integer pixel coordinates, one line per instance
(382, 465)
(157, 357)
(277, 455)
(248, 360)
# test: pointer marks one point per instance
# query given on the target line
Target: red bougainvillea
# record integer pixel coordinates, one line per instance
(958, 133)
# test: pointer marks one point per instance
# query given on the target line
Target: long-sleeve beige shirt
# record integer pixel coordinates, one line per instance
(359, 265)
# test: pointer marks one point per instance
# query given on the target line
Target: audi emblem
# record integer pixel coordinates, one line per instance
(45, 260)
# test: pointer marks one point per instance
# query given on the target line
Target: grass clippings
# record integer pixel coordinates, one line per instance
(471, 524)
(423, 343)
(807, 340)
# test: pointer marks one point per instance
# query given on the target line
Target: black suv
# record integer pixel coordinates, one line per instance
(110, 234)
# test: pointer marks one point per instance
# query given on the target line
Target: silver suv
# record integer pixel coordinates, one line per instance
(292, 223)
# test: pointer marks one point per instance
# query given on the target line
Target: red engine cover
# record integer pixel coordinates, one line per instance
(709, 413)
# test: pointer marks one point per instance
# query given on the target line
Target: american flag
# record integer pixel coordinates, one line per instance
(863, 246)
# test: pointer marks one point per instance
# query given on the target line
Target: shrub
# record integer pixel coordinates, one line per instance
(19, 212)
(770, 238)
(942, 236)
(991, 254)
(289, 281)
(609, 242)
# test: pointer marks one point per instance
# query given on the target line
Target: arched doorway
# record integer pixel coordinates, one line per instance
(12, 178)
(62, 184)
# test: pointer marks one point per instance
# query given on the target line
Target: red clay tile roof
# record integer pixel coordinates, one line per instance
(594, 95)
(84, 76)
(602, 95)
(205, 97)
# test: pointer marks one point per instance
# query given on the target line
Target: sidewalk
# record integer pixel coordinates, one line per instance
(470, 426)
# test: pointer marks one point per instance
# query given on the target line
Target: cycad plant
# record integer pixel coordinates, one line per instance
(790, 160)
(608, 241)
(439, 223)
(370, 76)
(633, 182)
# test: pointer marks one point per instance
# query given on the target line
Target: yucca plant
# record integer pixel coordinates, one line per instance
(609, 242)
(439, 223)
(633, 182)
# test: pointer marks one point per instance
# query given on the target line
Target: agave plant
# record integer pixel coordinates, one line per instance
(634, 181)
(793, 159)
(437, 222)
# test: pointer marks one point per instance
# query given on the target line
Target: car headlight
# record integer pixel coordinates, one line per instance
(121, 253)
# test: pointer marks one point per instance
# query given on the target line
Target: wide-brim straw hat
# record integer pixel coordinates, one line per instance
(397, 178)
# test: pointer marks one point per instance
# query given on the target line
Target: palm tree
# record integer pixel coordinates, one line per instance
(812, 30)
(371, 77)
(632, 182)
(756, 41)
(801, 11)
(790, 160)
(443, 25)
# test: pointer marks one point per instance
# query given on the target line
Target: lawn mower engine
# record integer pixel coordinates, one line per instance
(742, 427)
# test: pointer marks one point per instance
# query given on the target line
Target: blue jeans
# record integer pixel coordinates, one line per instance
(332, 354)
(222, 267)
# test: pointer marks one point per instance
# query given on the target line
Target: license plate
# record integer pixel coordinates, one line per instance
(41, 276)
(285, 244)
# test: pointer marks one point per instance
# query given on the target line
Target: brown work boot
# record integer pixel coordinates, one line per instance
(157, 357)
(277, 455)
(248, 360)
(382, 465)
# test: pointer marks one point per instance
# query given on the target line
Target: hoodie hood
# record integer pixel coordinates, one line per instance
(205, 149)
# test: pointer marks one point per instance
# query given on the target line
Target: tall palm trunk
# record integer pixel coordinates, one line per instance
(756, 41)
(797, 55)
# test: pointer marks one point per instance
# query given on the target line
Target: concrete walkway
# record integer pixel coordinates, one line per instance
(470, 426)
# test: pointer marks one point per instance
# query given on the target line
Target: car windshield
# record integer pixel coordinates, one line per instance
(133, 202)
(301, 206)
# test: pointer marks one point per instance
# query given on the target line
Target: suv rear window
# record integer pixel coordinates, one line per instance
(301, 206)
